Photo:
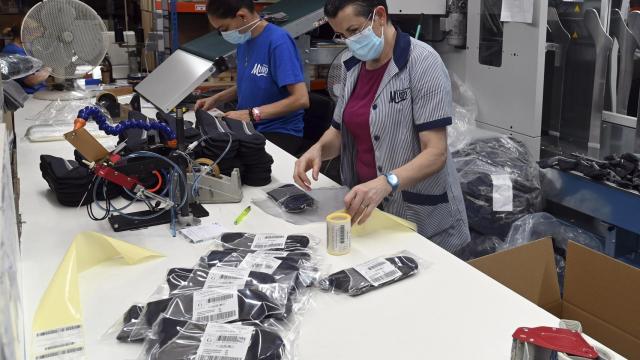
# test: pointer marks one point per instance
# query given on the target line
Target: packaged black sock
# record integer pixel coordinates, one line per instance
(380, 273)
(246, 241)
(180, 340)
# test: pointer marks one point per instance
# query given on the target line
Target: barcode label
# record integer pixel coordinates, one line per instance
(341, 237)
(65, 343)
(256, 262)
(227, 277)
(216, 357)
(268, 241)
(378, 271)
(219, 317)
(385, 277)
(230, 338)
(63, 354)
(273, 254)
(225, 342)
(215, 305)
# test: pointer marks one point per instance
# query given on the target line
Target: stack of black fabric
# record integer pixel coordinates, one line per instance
(256, 162)
(71, 182)
(500, 155)
(247, 151)
(216, 136)
(622, 171)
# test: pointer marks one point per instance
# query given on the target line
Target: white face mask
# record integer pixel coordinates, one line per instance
(236, 37)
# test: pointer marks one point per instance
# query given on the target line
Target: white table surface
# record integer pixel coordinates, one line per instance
(448, 311)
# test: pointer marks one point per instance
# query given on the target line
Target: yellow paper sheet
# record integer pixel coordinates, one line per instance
(382, 221)
(58, 318)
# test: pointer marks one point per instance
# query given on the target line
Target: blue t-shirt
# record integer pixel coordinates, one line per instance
(267, 64)
(13, 49)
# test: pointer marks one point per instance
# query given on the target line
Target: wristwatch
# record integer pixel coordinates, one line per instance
(256, 115)
(393, 181)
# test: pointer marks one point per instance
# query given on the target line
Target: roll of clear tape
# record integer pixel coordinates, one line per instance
(339, 233)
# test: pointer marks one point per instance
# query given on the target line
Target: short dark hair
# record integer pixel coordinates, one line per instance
(226, 9)
(363, 8)
(14, 32)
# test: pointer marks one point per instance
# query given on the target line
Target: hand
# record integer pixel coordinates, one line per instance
(206, 104)
(242, 115)
(363, 199)
(311, 160)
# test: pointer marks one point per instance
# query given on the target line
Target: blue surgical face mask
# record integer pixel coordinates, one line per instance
(366, 45)
(236, 37)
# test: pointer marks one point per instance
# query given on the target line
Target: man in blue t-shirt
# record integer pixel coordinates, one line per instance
(35, 81)
(270, 87)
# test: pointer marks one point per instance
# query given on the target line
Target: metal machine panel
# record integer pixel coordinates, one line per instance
(174, 79)
(510, 96)
(430, 7)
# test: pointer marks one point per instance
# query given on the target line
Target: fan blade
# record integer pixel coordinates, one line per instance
(58, 15)
(87, 41)
(51, 53)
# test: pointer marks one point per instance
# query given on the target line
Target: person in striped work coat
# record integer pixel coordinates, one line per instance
(390, 127)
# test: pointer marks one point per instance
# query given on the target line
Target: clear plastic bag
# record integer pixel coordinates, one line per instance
(188, 340)
(540, 225)
(56, 119)
(372, 275)
(480, 245)
(226, 305)
(325, 201)
(18, 66)
(465, 109)
(273, 242)
(500, 183)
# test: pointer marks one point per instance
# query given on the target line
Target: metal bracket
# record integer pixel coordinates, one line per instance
(628, 46)
(603, 45)
(561, 41)
(634, 26)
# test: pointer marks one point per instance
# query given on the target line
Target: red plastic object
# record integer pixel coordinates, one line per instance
(562, 340)
(113, 176)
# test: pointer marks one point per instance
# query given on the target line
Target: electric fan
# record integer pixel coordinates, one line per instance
(336, 77)
(66, 35)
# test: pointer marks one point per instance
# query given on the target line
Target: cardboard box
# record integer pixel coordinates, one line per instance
(599, 291)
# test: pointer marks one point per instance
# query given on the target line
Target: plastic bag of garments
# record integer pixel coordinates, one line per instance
(479, 246)
(295, 206)
(500, 183)
(540, 225)
(187, 340)
(273, 242)
(294, 269)
(372, 275)
(264, 290)
(18, 66)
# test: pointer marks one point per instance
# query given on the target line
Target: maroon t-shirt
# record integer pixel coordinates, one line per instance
(356, 119)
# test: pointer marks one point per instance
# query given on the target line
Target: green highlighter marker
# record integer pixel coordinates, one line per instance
(242, 215)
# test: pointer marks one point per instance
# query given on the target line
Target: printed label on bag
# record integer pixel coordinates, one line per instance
(273, 254)
(225, 342)
(226, 277)
(201, 233)
(378, 271)
(268, 241)
(215, 305)
(62, 343)
(261, 263)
